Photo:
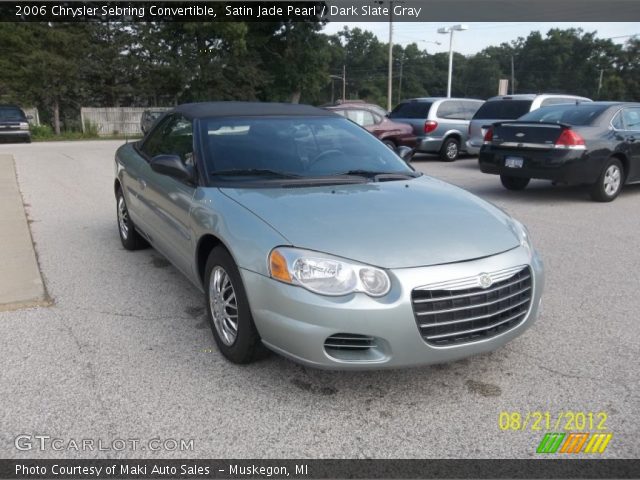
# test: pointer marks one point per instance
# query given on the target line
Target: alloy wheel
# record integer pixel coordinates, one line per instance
(452, 150)
(123, 218)
(611, 180)
(223, 305)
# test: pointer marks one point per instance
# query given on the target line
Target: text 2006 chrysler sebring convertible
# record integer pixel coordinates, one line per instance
(310, 237)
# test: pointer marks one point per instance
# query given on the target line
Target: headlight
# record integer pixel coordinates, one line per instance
(325, 274)
(24, 126)
(523, 235)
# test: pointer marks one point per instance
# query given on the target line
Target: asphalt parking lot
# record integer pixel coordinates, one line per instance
(125, 351)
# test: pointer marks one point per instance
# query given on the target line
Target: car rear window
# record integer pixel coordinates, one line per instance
(569, 114)
(411, 110)
(11, 113)
(503, 110)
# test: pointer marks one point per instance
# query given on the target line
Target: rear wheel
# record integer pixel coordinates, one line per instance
(609, 183)
(450, 150)
(130, 238)
(514, 183)
(390, 144)
(228, 310)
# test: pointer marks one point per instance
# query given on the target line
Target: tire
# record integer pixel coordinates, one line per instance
(390, 144)
(609, 183)
(450, 150)
(129, 236)
(227, 301)
(28, 139)
(514, 183)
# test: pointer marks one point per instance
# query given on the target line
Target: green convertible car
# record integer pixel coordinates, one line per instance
(308, 236)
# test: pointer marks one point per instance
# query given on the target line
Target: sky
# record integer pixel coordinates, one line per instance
(480, 34)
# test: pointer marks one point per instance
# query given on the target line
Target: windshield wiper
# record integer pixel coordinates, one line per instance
(374, 174)
(254, 172)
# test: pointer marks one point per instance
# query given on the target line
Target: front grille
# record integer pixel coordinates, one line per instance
(449, 317)
(348, 341)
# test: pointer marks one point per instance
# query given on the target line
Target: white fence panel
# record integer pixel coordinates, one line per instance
(115, 120)
(33, 111)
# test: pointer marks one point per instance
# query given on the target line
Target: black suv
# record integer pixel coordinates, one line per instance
(14, 124)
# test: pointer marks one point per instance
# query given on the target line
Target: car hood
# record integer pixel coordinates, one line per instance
(395, 224)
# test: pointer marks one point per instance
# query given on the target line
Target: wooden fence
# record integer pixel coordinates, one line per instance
(116, 120)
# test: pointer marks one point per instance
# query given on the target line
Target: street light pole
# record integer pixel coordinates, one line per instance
(450, 30)
(390, 81)
(450, 63)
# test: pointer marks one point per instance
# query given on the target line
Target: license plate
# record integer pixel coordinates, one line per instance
(513, 162)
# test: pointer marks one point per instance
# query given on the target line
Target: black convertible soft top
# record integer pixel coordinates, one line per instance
(248, 109)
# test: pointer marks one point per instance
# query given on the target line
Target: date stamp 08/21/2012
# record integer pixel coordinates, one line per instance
(567, 432)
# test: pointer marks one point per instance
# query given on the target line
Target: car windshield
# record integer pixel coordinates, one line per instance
(293, 148)
(583, 114)
(411, 110)
(503, 110)
(11, 113)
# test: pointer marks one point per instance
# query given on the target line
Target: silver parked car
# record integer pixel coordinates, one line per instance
(441, 124)
(312, 238)
(510, 107)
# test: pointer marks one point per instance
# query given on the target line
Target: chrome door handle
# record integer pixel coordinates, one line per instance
(143, 184)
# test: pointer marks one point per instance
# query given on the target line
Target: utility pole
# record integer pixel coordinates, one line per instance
(400, 79)
(344, 83)
(390, 82)
(513, 77)
(600, 83)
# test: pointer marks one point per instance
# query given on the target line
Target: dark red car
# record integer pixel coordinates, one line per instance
(374, 119)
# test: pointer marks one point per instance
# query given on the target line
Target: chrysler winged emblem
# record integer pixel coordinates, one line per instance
(484, 280)
(519, 134)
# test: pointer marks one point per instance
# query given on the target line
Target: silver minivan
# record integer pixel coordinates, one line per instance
(510, 107)
(441, 124)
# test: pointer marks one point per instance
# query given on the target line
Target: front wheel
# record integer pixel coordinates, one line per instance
(129, 236)
(609, 183)
(450, 150)
(228, 310)
(514, 183)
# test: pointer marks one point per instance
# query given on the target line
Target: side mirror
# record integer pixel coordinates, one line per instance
(172, 166)
(405, 153)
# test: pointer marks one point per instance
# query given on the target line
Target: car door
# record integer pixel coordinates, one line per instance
(630, 120)
(452, 117)
(167, 201)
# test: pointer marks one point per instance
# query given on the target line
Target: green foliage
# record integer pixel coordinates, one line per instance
(60, 67)
(41, 132)
(90, 129)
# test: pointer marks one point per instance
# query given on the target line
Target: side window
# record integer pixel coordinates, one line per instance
(470, 109)
(451, 110)
(631, 118)
(361, 117)
(617, 121)
(173, 137)
(557, 101)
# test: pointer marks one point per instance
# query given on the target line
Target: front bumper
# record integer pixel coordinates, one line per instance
(295, 322)
(15, 134)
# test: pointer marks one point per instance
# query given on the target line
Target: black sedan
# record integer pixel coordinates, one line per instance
(596, 144)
